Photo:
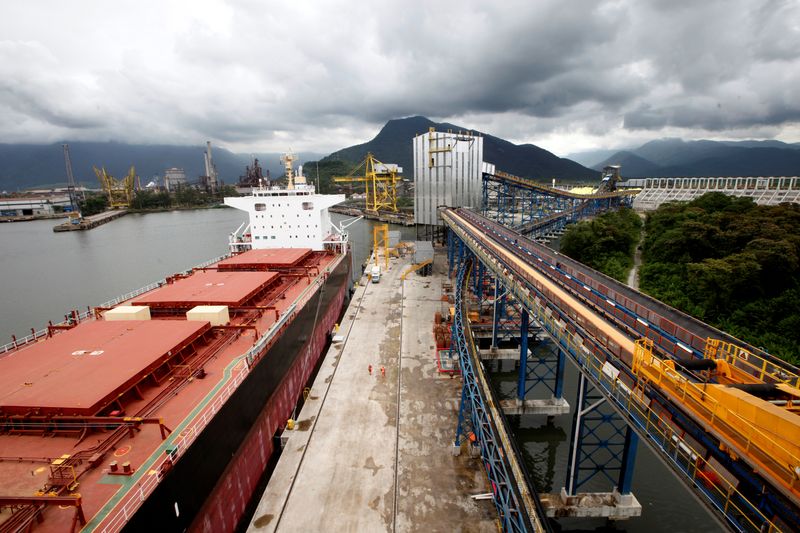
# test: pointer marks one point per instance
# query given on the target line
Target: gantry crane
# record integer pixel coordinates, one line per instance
(381, 183)
(119, 191)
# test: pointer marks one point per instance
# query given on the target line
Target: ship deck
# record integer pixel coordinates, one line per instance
(371, 452)
(209, 287)
(268, 258)
(64, 382)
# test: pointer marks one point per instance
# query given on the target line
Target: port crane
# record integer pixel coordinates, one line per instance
(119, 191)
(74, 215)
(381, 181)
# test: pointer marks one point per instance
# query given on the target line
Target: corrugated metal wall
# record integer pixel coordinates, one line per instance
(447, 171)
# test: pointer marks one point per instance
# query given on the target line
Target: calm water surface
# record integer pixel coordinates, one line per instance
(46, 274)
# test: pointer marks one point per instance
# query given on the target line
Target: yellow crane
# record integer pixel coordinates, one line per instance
(119, 191)
(381, 183)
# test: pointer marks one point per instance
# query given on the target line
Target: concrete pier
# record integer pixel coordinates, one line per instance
(372, 451)
(611, 505)
(91, 221)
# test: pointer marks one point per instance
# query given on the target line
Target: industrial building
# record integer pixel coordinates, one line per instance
(447, 171)
(173, 177)
(36, 206)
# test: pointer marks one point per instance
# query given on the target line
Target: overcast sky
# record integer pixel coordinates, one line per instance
(322, 75)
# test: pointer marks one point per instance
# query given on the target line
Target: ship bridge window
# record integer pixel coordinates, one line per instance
(308, 206)
(261, 207)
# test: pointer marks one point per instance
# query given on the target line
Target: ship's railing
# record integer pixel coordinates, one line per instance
(173, 449)
(36, 335)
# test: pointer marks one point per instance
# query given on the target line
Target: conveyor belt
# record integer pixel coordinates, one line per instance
(587, 307)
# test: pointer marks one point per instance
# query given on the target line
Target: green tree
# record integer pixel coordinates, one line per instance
(731, 263)
(605, 243)
(94, 204)
(148, 199)
(188, 196)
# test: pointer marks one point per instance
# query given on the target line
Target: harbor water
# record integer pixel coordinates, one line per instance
(47, 274)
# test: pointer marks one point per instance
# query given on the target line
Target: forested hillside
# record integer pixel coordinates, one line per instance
(731, 263)
(725, 260)
(605, 243)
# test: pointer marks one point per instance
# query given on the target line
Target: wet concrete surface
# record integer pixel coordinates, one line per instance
(373, 451)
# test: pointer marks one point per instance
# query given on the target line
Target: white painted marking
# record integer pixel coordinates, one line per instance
(642, 322)
(611, 303)
(610, 371)
(683, 346)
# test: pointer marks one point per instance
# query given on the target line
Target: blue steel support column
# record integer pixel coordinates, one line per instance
(571, 484)
(495, 314)
(479, 281)
(559, 388)
(512, 514)
(463, 406)
(523, 355)
(602, 443)
(628, 461)
(451, 251)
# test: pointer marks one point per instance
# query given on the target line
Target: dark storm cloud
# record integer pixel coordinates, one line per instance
(323, 75)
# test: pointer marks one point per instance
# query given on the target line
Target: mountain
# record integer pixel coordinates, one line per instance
(676, 157)
(31, 165)
(632, 164)
(589, 158)
(393, 145)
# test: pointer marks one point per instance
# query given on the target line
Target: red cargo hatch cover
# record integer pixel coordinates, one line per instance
(209, 287)
(84, 369)
(265, 259)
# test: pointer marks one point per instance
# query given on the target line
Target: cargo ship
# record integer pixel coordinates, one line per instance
(162, 409)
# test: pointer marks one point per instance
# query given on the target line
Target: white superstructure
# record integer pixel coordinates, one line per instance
(294, 216)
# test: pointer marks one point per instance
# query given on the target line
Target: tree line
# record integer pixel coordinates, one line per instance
(147, 199)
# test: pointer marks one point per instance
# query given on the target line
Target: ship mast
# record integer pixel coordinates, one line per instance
(287, 159)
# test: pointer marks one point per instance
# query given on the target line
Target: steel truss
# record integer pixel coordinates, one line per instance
(602, 442)
(742, 511)
(539, 211)
(478, 420)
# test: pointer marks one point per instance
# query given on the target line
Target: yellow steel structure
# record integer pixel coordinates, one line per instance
(749, 367)
(414, 268)
(380, 238)
(120, 192)
(380, 180)
(765, 435)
